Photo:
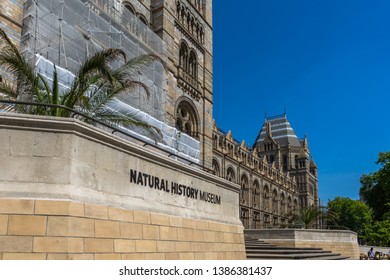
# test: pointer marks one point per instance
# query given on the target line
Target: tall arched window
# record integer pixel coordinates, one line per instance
(230, 175)
(192, 64)
(244, 189)
(186, 119)
(183, 56)
(216, 168)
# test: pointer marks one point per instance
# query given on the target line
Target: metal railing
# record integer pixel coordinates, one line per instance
(113, 128)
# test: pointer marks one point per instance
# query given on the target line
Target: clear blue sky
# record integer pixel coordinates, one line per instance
(327, 62)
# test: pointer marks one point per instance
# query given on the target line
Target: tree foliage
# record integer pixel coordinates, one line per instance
(352, 214)
(308, 217)
(93, 92)
(375, 187)
(378, 233)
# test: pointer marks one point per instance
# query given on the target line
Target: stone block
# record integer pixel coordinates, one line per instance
(124, 246)
(133, 256)
(108, 257)
(53, 256)
(159, 219)
(197, 235)
(57, 245)
(154, 256)
(151, 232)
(183, 246)
(76, 209)
(3, 224)
(200, 256)
(175, 222)
(57, 226)
(81, 256)
(26, 225)
(96, 211)
(107, 229)
(70, 226)
(187, 256)
(209, 236)
(21, 143)
(141, 217)
(202, 225)
(120, 214)
(172, 256)
(24, 256)
(189, 223)
(52, 207)
(184, 234)
(16, 244)
(196, 247)
(146, 246)
(16, 206)
(168, 233)
(165, 246)
(131, 231)
(98, 245)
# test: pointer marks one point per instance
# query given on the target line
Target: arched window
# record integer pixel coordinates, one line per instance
(143, 19)
(230, 175)
(216, 168)
(183, 56)
(256, 194)
(274, 201)
(130, 8)
(192, 63)
(186, 119)
(244, 189)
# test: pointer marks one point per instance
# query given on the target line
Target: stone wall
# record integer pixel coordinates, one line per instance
(59, 229)
(66, 192)
(343, 242)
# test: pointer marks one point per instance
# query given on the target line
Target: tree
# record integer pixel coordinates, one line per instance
(93, 91)
(308, 217)
(353, 214)
(378, 233)
(375, 187)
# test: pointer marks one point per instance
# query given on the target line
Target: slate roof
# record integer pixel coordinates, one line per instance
(281, 130)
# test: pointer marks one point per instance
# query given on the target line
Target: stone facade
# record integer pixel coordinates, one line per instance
(275, 176)
(66, 193)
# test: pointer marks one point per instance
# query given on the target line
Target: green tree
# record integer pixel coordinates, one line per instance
(308, 217)
(94, 90)
(375, 187)
(378, 233)
(353, 214)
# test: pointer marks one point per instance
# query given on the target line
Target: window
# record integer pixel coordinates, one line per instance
(230, 176)
(216, 167)
(186, 119)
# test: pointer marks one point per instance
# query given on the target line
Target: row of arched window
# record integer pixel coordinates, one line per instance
(190, 21)
(188, 60)
(132, 10)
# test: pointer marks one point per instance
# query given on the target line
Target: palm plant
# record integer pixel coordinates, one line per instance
(309, 217)
(93, 92)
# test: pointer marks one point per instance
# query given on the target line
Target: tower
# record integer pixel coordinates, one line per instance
(278, 144)
(186, 27)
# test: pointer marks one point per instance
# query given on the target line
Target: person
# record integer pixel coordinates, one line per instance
(371, 254)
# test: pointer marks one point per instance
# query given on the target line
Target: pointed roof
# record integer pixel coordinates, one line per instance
(281, 131)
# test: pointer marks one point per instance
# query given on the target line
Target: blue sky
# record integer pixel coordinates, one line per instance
(327, 62)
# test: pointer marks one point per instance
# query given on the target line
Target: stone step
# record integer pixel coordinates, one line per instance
(306, 256)
(259, 249)
(287, 251)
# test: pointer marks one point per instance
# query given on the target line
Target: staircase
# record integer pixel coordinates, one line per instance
(259, 249)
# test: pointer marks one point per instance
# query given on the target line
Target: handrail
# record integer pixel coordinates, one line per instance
(113, 128)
